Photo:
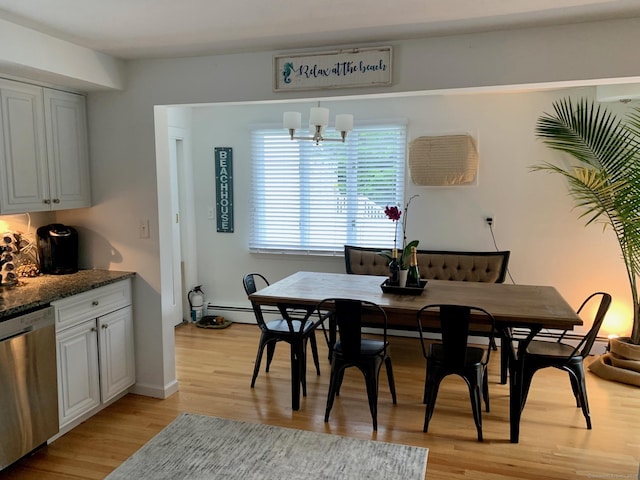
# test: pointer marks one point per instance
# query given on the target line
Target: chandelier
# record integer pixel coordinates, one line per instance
(318, 121)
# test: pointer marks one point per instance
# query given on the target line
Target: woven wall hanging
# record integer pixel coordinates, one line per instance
(443, 160)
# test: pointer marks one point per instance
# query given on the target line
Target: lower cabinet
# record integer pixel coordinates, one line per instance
(78, 371)
(95, 354)
(115, 353)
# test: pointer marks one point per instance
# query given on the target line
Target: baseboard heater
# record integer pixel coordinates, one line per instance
(518, 333)
(571, 338)
(247, 310)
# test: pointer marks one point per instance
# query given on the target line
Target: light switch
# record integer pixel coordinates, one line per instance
(144, 228)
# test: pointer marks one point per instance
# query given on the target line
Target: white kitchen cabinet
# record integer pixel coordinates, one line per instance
(44, 162)
(78, 371)
(67, 149)
(23, 156)
(95, 349)
(117, 365)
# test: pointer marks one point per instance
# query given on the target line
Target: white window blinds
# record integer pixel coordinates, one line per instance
(309, 198)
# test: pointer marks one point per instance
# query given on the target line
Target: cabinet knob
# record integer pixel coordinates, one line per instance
(95, 303)
(47, 201)
(94, 329)
(56, 200)
(104, 325)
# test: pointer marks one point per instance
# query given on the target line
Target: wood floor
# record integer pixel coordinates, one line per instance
(214, 368)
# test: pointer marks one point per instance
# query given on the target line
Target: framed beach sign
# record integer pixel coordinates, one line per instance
(358, 67)
(224, 189)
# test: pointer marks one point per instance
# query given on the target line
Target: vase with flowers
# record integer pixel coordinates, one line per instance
(395, 215)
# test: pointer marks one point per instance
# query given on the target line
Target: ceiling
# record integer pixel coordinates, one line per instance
(134, 29)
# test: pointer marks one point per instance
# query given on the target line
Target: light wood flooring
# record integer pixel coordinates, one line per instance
(214, 370)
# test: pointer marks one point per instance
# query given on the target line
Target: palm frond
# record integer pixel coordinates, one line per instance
(606, 182)
(633, 123)
(590, 134)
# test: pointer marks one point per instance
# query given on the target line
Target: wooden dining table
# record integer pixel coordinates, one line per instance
(528, 307)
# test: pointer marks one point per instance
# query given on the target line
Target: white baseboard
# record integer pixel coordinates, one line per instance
(154, 391)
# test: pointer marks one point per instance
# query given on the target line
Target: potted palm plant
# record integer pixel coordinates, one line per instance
(604, 179)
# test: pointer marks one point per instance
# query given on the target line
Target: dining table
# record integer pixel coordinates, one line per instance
(527, 308)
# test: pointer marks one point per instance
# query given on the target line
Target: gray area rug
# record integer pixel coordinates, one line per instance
(198, 447)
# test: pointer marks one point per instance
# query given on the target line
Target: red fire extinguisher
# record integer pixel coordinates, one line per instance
(196, 302)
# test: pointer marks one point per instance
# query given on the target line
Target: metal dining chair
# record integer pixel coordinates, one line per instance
(349, 348)
(454, 356)
(543, 354)
(293, 327)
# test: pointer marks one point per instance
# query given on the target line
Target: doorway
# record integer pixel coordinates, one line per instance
(184, 265)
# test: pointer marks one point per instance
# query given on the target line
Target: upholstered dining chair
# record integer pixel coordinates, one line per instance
(542, 354)
(295, 327)
(454, 356)
(349, 348)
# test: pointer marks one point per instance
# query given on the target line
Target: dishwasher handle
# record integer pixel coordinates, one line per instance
(17, 334)
(26, 323)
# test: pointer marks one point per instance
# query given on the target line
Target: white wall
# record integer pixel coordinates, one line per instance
(39, 57)
(534, 216)
(124, 177)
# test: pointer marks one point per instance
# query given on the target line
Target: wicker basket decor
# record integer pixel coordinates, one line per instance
(443, 160)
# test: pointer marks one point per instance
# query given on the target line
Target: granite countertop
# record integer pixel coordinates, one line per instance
(40, 291)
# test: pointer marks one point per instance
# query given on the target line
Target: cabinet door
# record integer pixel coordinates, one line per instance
(117, 363)
(67, 149)
(24, 180)
(78, 371)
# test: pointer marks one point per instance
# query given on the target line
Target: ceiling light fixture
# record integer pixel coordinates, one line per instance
(318, 121)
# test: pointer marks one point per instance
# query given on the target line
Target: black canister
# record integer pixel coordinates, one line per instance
(58, 249)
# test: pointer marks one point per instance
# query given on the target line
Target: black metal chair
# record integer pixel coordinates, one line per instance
(350, 349)
(454, 355)
(295, 328)
(542, 354)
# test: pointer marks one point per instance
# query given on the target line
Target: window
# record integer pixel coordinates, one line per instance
(314, 199)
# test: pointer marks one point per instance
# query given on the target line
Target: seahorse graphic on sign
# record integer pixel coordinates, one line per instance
(287, 70)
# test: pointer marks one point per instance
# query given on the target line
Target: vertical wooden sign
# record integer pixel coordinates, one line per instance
(224, 189)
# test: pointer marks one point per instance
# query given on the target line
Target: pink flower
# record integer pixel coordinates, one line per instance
(394, 213)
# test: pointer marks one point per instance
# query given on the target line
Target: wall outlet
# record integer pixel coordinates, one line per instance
(490, 220)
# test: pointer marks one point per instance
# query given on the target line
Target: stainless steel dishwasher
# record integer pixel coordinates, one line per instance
(28, 384)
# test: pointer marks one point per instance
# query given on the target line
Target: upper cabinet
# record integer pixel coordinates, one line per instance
(67, 150)
(44, 162)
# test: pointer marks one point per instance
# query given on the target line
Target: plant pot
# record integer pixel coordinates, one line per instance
(623, 348)
(403, 277)
(621, 364)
